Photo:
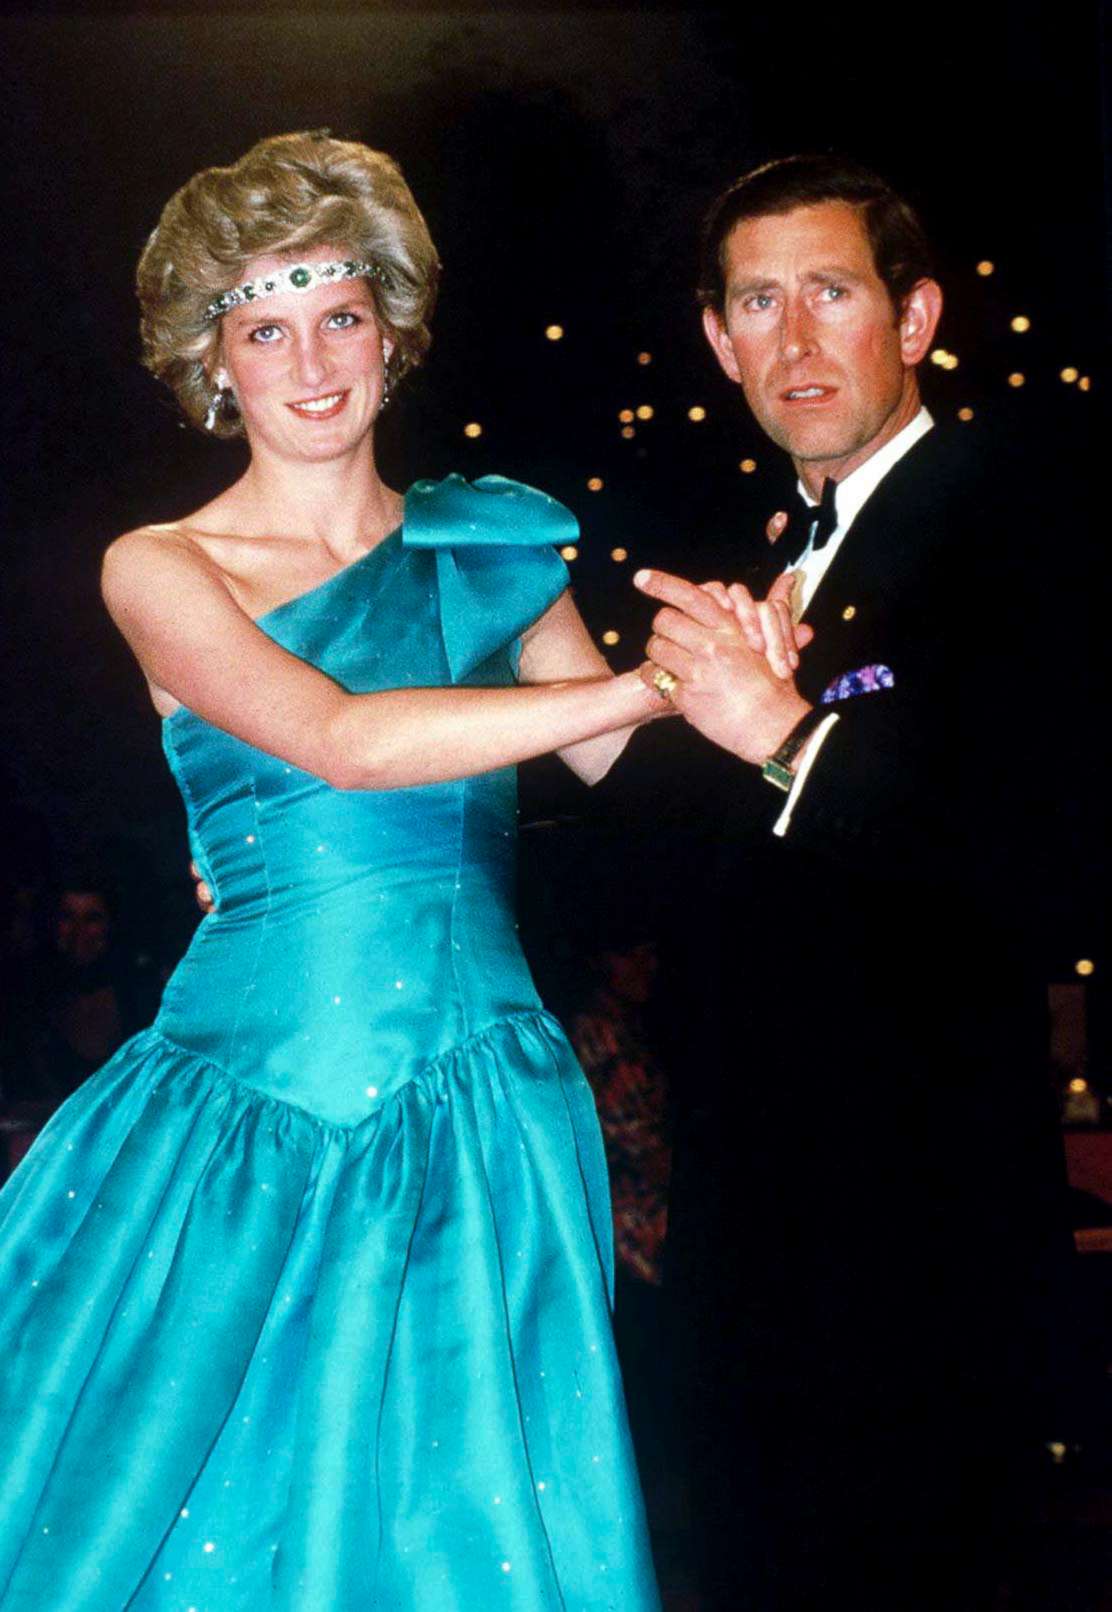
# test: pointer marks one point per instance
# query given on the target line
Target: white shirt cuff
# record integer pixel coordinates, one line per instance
(810, 755)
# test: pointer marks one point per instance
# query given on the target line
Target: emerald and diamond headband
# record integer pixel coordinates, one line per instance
(301, 277)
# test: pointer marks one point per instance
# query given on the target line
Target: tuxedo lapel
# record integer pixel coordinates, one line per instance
(870, 576)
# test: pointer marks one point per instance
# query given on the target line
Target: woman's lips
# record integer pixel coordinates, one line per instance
(325, 407)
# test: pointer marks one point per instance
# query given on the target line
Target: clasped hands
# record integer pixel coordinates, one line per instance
(734, 657)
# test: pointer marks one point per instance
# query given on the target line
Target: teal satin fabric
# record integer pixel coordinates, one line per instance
(306, 1292)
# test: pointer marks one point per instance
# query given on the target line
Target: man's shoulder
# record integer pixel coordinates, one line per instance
(1000, 454)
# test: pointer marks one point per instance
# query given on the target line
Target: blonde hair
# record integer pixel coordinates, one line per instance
(287, 194)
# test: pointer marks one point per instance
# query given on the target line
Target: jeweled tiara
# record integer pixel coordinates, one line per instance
(300, 277)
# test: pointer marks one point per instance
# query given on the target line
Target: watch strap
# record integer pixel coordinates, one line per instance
(777, 769)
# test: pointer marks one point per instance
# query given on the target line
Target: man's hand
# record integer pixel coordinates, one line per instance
(723, 655)
(769, 624)
(201, 890)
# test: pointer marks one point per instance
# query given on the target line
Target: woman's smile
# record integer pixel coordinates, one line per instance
(325, 407)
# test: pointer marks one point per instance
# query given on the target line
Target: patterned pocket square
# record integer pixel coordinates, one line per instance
(865, 680)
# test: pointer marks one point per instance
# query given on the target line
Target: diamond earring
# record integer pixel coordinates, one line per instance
(219, 403)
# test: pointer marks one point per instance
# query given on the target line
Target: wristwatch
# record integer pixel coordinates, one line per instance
(778, 768)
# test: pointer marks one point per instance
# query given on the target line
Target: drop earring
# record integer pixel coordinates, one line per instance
(387, 381)
(216, 402)
(219, 402)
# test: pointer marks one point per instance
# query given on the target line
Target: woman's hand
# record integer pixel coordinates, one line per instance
(769, 625)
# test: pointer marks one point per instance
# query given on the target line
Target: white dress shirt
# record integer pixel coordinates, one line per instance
(852, 495)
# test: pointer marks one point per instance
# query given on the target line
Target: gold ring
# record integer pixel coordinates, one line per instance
(664, 683)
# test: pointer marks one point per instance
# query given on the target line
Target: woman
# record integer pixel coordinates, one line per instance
(307, 1289)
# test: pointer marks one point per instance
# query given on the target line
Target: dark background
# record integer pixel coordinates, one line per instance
(563, 157)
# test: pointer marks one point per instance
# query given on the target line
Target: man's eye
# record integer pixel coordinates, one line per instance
(835, 293)
(265, 333)
(759, 301)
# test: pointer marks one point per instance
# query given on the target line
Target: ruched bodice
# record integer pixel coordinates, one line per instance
(306, 1290)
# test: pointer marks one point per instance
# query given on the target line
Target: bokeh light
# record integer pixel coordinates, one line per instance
(473, 429)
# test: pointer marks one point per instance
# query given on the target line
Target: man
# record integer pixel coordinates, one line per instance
(866, 1211)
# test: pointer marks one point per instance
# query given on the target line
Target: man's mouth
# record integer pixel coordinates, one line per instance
(808, 394)
(319, 408)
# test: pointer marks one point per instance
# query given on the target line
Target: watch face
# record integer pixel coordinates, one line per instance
(777, 773)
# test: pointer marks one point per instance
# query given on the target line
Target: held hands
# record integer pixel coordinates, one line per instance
(734, 658)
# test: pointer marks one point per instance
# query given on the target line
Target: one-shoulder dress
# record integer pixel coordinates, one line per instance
(304, 1296)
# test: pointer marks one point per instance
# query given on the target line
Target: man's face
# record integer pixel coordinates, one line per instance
(810, 334)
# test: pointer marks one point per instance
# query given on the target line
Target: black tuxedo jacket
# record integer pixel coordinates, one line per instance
(867, 1209)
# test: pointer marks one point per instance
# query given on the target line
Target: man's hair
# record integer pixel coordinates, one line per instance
(902, 254)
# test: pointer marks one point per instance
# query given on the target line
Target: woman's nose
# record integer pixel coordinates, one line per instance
(311, 361)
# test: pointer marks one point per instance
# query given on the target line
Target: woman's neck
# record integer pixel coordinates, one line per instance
(341, 503)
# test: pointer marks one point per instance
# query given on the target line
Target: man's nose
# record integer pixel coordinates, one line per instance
(797, 333)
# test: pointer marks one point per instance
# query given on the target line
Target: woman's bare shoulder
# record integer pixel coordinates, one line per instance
(165, 552)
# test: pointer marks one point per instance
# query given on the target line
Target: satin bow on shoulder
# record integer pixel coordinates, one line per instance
(497, 568)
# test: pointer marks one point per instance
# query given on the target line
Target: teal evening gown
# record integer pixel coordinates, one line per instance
(305, 1294)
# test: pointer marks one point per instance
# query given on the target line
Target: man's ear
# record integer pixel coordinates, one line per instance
(720, 345)
(919, 318)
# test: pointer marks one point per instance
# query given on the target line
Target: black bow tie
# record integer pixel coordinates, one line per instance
(810, 523)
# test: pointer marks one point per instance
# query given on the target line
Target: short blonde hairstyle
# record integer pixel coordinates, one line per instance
(286, 195)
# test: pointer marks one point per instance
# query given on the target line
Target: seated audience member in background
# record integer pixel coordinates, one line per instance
(73, 1001)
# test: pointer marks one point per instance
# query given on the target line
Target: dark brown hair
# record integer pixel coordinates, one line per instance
(902, 255)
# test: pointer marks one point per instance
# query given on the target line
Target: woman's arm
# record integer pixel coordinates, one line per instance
(558, 647)
(195, 644)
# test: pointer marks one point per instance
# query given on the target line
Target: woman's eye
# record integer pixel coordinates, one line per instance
(343, 320)
(265, 333)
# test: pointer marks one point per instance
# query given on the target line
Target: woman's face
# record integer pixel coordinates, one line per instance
(307, 367)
